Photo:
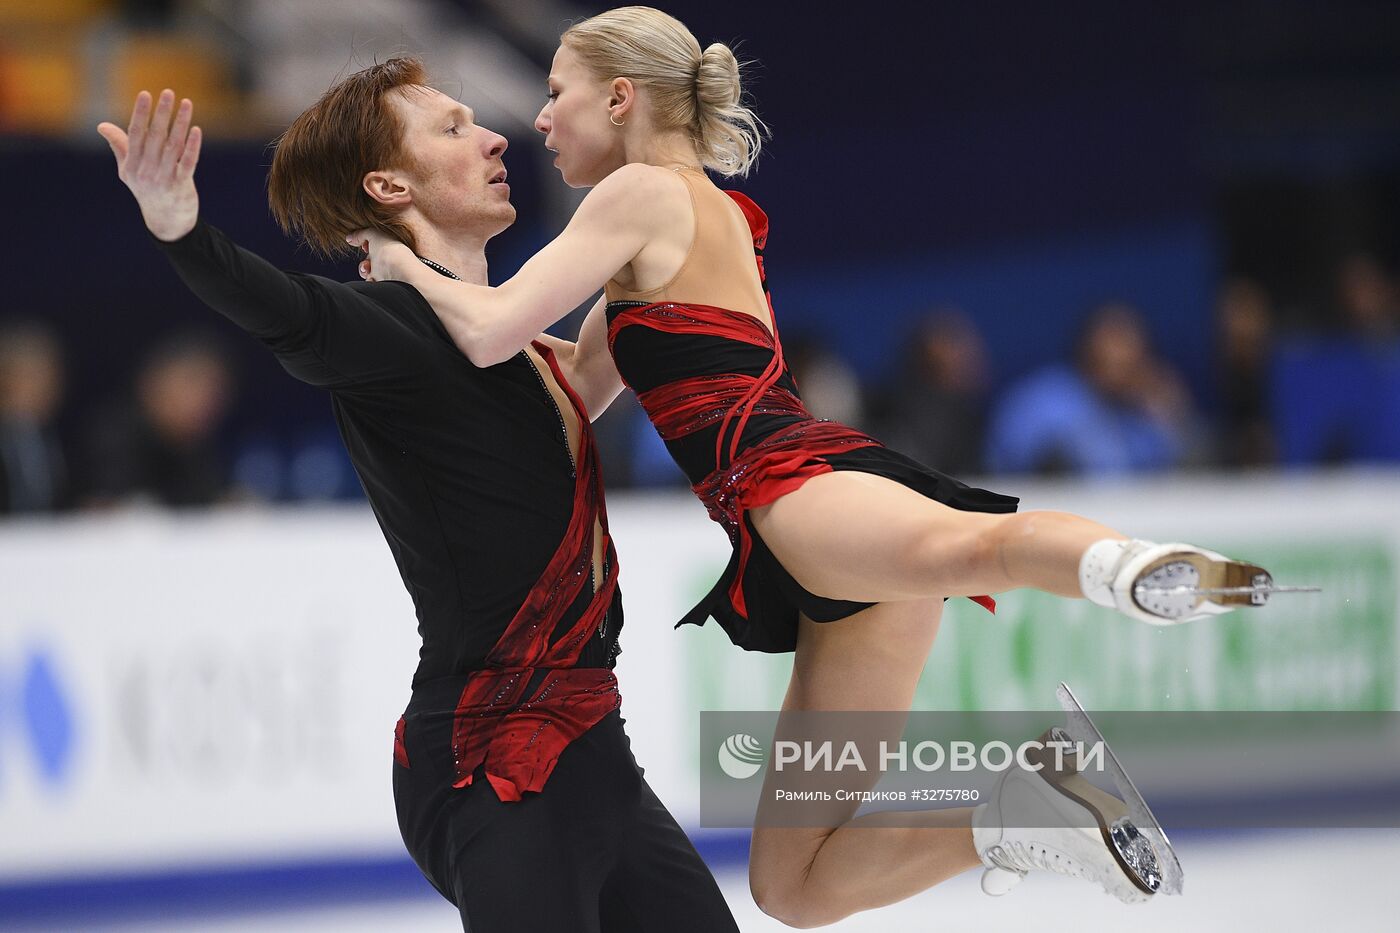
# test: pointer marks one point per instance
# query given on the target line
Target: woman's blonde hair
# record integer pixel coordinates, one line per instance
(697, 90)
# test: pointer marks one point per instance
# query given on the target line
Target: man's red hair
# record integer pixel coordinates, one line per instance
(315, 188)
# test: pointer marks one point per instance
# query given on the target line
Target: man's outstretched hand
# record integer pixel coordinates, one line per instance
(156, 160)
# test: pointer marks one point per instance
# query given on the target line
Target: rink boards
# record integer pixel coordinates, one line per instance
(219, 691)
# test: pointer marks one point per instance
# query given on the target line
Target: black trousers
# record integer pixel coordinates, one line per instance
(594, 852)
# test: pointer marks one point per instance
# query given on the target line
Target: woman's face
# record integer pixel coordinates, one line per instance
(575, 123)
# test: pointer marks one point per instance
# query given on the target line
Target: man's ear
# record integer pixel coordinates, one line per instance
(388, 189)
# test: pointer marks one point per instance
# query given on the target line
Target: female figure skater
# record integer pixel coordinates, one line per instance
(826, 523)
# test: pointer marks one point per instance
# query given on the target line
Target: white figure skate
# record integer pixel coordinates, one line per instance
(1055, 820)
(1163, 584)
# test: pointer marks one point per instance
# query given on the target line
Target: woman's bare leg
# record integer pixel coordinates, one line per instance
(814, 876)
(856, 536)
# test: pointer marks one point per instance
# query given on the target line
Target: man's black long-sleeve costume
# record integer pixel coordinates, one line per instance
(468, 470)
(470, 475)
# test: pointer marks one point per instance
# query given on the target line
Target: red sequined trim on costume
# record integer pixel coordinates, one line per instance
(520, 738)
(400, 751)
(691, 405)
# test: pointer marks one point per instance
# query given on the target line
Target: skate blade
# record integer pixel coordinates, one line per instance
(1138, 842)
(1260, 590)
(1176, 585)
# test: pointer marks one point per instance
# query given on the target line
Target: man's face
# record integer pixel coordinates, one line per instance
(455, 173)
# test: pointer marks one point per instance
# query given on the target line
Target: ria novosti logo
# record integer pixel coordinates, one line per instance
(741, 756)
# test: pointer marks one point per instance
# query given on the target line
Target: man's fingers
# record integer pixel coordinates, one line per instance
(116, 139)
(158, 132)
(190, 156)
(136, 129)
(175, 147)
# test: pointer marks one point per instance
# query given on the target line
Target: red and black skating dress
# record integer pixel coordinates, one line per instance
(716, 388)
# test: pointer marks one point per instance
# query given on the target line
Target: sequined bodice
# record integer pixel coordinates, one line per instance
(698, 371)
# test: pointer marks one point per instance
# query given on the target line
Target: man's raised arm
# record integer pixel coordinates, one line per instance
(156, 158)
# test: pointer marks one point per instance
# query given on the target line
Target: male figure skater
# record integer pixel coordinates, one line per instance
(517, 794)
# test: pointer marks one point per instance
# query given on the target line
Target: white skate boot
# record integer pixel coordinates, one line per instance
(1163, 584)
(1057, 821)
(1088, 833)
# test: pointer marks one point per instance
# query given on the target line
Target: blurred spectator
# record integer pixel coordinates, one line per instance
(161, 446)
(1338, 400)
(1117, 410)
(1367, 299)
(936, 409)
(33, 477)
(827, 384)
(1246, 322)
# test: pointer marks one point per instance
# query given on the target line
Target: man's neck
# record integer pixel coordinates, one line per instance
(464, 254)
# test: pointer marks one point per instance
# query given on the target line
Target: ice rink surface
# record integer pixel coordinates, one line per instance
(1276, 881)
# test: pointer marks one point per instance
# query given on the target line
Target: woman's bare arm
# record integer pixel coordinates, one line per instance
(491, 325)
(587, 365)
(595, 377)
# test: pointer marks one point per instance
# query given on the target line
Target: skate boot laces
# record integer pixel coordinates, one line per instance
(1021, 856)
(1013, 859)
